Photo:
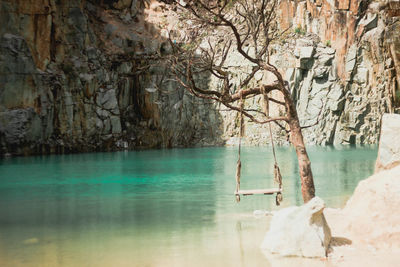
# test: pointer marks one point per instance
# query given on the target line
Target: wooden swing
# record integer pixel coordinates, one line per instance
(277, 172)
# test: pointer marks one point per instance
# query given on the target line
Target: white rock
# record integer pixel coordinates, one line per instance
(352, 53)
(325, 50)
(320, 72)
(371, 214)
(362, 75)
(305, 55)
(304, 42)
(299, 231)
(336, 99)
(351, 58)
(326, 60)
(290, 74)
(306, 52)
(389, 145)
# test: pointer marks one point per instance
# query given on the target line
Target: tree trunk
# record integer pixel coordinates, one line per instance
(296, 138)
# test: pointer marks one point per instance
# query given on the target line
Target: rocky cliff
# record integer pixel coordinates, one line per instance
(341, 59)
(85, 75)
(80, 76)
(349, 75)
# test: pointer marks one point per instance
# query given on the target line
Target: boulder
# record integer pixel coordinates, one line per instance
(371, 214)
(306, 52)
(389, 144)
(299, 231)
(305, 55)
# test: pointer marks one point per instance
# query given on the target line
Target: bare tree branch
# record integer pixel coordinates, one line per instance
(249, 27)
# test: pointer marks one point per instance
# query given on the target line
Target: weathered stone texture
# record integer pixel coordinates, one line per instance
(389, 143)
(342, 72)
(376, 200)
(73, 78)
(299, 231)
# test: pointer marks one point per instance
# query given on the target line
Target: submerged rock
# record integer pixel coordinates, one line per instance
(299, 231)
(31, 241)
(262, 213)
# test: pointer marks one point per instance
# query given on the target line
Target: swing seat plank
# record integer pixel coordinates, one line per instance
(268, 191)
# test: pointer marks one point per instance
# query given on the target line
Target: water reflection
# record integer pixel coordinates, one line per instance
(155, 208)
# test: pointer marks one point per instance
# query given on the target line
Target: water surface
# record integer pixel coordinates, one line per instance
(156, 208)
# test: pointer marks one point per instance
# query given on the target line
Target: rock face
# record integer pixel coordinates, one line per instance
(85, 76)
(299, 231)
(74, 74)
(389, 144)
(340, 61)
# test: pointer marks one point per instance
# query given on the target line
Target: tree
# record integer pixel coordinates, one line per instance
(246, 24)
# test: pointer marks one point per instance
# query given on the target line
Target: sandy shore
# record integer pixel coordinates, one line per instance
(367, 230)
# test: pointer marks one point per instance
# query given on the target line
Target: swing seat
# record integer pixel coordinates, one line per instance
(268, 191)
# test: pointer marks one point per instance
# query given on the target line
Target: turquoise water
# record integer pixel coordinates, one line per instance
(156, 208)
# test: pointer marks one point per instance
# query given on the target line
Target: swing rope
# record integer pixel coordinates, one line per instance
(277, 172)
(239, 163)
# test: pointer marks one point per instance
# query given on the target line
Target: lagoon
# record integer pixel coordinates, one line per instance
(157, 207)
